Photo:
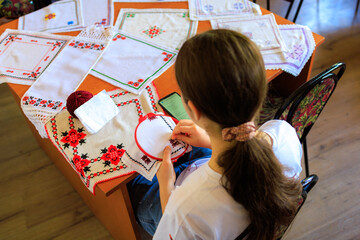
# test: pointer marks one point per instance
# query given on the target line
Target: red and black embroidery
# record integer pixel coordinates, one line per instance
(39, 102)
(152, 99)
(85, 45)
(112, 154)
(146, 159)
(174, 143)
(137, 103)
(81, 164)
(73, 138)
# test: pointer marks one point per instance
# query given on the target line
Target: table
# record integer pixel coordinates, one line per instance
(111, 204)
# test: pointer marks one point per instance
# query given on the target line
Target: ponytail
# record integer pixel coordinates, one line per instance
(254, 178)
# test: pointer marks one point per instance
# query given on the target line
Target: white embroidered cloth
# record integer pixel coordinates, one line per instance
(46, 97)
(106, 155)
(301, 44)
(262, 30)
(98, 12)
(131, 63)
(153, 133)
(215, 9)
(150, 0)
(95, 113)
(164, 27)
(61, 16)
(25, 55)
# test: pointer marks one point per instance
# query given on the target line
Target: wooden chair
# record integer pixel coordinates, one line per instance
(303, 107)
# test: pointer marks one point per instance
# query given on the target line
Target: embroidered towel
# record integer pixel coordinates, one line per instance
(100, 157)
(60, 16)
(46, 97)
(215, 9)
(164, 27)
(131, 63)
(97, 112)
(25, 55)
(263, 30)
(301, 44)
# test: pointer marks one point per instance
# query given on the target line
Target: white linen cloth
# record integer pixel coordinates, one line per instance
(215, 9)
(150, 0)
(25, 55)
(164, 27)
(131, 63)
(111, 152)
(301, 44)
(61, 16)
(96, 112)
(262, 30)
(46, 97)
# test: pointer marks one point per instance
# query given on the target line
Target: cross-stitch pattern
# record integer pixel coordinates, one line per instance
(262, 30)
(100, 157)
(215, 9)
(131, 63)
(164, 27)
(60, 16)
(24, 55)
(301, 44)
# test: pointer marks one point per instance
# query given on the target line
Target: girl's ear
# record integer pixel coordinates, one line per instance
(196, 113)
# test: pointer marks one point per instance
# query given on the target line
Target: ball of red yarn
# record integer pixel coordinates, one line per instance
(76, 99)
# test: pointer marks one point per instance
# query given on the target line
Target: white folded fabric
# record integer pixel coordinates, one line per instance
(215, 9)
(61, 16)
(97, 112)
(262, 30)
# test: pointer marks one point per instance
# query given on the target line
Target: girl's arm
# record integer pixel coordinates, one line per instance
(166, 177)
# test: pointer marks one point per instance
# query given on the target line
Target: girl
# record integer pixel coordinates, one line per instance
(249, 185)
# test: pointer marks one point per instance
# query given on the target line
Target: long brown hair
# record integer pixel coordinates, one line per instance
(222, 73)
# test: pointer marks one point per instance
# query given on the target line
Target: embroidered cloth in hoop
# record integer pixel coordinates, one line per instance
(100, 157)
(47, 95)
(163, 27)
(131, 63)
(25, 55)
(61, 16)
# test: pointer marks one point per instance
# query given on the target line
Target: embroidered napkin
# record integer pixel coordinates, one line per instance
(153, 133)
(97, 112)
(150, 0)
(98, 12)
(101, 157)
(47, 95)
(25, 55)
(301, 44)
(214, 9)
(263, 30)
(131, 63)
(60, 16)
(164, 27)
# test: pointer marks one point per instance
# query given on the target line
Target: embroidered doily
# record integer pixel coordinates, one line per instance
(131, 63)
(163, 27)
(25, 55)
(61, 16)
(215, 9)
(152, 135)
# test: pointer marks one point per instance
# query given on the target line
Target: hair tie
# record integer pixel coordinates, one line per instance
(241, 133)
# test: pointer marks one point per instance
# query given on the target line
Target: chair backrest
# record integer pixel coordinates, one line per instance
(304, 106)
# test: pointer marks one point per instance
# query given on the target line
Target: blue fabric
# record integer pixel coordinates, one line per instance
(144, 194)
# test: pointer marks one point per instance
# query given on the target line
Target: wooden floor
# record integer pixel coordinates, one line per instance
(37, 202)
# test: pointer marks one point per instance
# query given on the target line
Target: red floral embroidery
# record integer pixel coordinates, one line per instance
(73, 137)
(112, 154)
(81, 164)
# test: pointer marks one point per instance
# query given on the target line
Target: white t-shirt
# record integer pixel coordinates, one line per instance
(200, 208)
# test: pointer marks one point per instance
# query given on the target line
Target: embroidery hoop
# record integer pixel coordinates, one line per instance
(160, 129)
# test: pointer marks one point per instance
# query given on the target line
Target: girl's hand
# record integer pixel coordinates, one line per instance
(166, 177)
(190, 133)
